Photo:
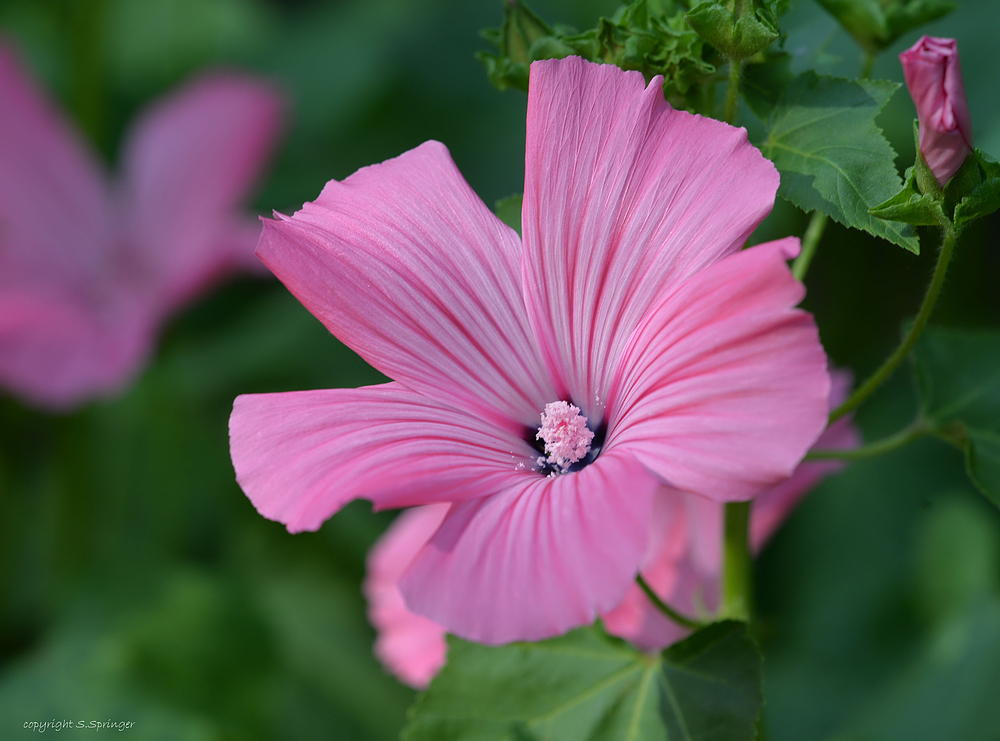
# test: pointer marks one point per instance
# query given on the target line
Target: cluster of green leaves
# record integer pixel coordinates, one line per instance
(651, 36)
(589, 685)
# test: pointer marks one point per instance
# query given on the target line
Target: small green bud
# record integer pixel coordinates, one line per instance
(738, 29)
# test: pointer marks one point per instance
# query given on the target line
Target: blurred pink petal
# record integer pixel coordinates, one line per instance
(406, 265)
(934, 78)
(411, 646)
(189, 161)
(89, 269)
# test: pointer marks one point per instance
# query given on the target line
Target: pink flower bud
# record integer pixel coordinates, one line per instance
(934, 77)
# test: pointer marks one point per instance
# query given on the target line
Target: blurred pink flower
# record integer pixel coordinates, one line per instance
(934, 77)
(683, 563)
(629, 311)
(90, 268)
(409, 645)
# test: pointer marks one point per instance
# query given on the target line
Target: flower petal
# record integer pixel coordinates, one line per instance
(405, 265)
(301, 456)
(724, 387)
(539, 558)
(188, 162)
(623, 198)
(411, 646)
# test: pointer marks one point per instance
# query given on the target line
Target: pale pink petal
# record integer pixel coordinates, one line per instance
(301, 456)
(405, 265)
(724, 386)
(623, 198)
(538, 558)
(189, 162)
(54, 219)
(411, 646)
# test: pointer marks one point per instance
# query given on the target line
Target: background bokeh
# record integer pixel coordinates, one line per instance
(138, 583)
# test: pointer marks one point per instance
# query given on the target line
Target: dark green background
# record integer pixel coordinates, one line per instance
(137, 582)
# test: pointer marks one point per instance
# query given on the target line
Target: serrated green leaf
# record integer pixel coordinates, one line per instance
(711, 681)
(588, 685)
(958, 380)
(508, 210)
(832, 157)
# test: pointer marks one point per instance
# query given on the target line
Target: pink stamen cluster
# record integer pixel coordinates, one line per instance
(565, 432)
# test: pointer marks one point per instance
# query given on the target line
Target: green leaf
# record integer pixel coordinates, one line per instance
(737, 37)
(508, 210)
(958, 379)
(832, 157)
(588, 685)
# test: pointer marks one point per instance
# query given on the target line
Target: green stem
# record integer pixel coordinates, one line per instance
(682, 620)
(888, 444)
(737, 585)
(732, 92)
(892, 362)
(814, 232)
(869, 64)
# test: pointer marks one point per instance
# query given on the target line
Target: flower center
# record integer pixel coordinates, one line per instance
(565, 434)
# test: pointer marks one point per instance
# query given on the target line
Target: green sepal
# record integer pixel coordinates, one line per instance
(737, 35)
(977, 191)
(926, 180)
(875, 24)
(520, 31)
(910, 206)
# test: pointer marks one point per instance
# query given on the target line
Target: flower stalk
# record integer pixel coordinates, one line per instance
(659, 604)
(876, 379)
(737, 582)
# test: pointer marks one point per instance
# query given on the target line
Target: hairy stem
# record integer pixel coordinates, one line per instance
(659, 604)
(737, 582)
(888, 444)
(892, 362)
(732, 92)
(810, 241)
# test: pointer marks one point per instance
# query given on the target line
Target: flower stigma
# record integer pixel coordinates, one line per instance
(565, 433)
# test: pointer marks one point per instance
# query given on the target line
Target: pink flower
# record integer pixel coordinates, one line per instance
(629, 300)
(89, 269)
(682, 565)
(934, 77)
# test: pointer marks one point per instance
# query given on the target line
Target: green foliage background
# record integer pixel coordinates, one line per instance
(137, 582)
